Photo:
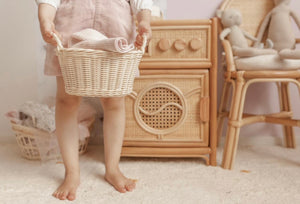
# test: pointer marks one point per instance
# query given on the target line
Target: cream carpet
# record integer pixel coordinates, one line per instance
(265, 172)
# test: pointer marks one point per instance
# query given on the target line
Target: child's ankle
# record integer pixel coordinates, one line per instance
(112, 170)
(72, 172)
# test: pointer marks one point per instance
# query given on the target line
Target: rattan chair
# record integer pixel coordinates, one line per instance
(239, 79)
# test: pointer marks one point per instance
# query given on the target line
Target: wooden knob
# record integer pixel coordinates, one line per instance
(164, 44)
(195, 44)
(179, 45)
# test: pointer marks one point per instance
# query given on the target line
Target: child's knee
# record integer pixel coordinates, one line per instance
(114, 103)
(68, 102)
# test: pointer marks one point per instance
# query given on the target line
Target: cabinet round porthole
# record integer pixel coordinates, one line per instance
(160, 108)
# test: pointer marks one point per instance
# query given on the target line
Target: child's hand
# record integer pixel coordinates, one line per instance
(144, 28)
(47, 28)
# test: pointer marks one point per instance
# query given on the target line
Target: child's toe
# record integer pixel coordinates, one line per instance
(55, 194)
(71, 196)
(121, 188)
(63, 195)
(130, 185)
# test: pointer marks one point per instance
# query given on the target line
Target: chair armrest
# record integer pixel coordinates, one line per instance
(297, 40)
(228, 56)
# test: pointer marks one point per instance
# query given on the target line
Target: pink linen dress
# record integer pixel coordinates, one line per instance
(113, 18)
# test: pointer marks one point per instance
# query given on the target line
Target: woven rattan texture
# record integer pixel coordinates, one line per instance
(27, 141)
(185, 35)
(162, 114)
(169, 108)
(153, 96)
(97, 73)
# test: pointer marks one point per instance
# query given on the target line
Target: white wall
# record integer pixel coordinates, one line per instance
(21, 53)
(18, 76)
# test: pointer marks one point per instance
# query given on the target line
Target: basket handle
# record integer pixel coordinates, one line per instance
(58, 41)
(144, 43)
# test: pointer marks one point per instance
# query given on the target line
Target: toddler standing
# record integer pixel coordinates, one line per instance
(113, 18)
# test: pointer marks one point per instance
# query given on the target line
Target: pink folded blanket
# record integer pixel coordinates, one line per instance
(92, 39)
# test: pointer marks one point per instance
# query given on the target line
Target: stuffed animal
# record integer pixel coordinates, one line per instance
(231, 19)
(280, 29)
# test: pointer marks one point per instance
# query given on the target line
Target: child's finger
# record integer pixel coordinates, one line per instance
(145, 31)
(48, 38)
(52, 39)
(140, 38)
(138, 44)
(141, 34)
(53, 42)
(47, 35)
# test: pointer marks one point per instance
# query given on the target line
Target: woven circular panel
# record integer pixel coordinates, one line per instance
(160, 108)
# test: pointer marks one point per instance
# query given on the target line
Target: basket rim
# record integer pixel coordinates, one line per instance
(14, 124)
(29, 130)
(72, 49)
(60, 47)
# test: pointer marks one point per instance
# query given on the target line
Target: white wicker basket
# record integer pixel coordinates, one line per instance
(28, 139)
(97, 73)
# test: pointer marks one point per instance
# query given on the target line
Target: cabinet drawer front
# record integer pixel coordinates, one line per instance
(164, 110)
(174, 45)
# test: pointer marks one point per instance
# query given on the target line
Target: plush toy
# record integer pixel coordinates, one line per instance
(231, 20)
(280, 29)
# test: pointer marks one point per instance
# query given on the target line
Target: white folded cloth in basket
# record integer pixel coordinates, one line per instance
(92, 39)
(41, 116)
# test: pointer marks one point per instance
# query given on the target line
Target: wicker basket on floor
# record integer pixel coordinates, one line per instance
(27, 141)
(98, 73)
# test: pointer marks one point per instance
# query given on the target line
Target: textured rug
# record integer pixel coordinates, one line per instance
(265, 172)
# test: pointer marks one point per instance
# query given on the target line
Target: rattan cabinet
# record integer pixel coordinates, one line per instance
(172, 109)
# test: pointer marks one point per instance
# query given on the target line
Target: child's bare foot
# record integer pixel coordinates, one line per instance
(67, 190)
(119, 181)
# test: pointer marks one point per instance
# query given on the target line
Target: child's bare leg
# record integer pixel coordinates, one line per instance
(113, 130)
(67, 134)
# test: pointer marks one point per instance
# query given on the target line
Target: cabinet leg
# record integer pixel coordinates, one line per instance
(212, 159)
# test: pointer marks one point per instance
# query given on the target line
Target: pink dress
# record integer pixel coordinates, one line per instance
(113, 18)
